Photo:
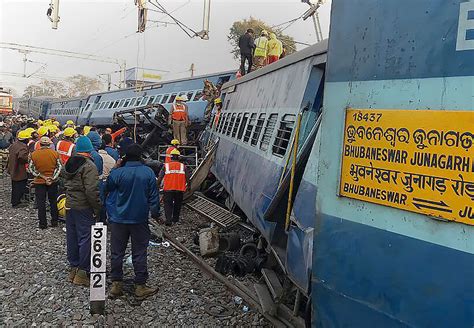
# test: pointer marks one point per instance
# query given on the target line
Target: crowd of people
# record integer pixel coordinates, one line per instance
(259, 52)
(105, 178)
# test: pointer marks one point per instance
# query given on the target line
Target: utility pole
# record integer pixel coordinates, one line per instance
(55, 14)
(192, 69)
(313, 13)
(204, 34)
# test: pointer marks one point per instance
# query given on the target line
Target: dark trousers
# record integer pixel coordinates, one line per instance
(41, 191)
(78, 237)
(18, 190)
(172, 201)
(249, 59)
(140, 237)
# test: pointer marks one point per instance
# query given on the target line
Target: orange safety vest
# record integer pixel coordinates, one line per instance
(216, 119)
(168, 154)
(179, 112)
(65, 148)
(175, 177)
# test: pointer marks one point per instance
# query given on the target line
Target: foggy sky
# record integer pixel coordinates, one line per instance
(107, 28)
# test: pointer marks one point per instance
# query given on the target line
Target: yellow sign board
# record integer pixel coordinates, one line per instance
(151, 76)
(416, 160)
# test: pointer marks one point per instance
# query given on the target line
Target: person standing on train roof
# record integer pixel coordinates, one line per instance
(275, 49)
(83, 208)
(109, 148)
(45, 166)
(134, 187)
(261, 48)
(16, 168)
(246, 46)
(174, 145)
(66, 146)
(179, 120)
(175, 177)
(43, 132)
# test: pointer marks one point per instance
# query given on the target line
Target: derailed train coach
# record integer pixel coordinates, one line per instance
(364, 259)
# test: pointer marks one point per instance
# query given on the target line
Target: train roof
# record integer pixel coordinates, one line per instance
(151, 86)
(320, 48)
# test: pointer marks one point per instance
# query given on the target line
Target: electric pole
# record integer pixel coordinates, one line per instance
(192, 69)
(55, 14)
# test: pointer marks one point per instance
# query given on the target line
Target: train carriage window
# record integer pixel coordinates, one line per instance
(258, 129)
(236, 125)
(165, 99)
(111, 104)
(132, 103)
(144, 101)
(126, 103)
(268, 133)
(150, 101)
(116, 104)
(231, 124)
(190, 95)
(139, 101)
(198, 95)
(221, 122)
(121, 103)
(172, 98)
(283, 136)
(242, 126)
(248, 131)
(158, 99)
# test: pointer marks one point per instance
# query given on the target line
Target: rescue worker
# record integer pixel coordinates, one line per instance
(218, 109)
(32, 143)
(43, 132)
(275, 49)
(109, 148)
(175, 177)
(69, 124)
(174, 145)
(96, 143)
(107, 166)
(16, 168)
(246, 46)
(66, 146)
(179, 120)
(134, 187)
(45, 166)
(83, 207)
(261, 48)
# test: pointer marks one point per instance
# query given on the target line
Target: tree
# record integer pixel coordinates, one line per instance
(240, 27)
(46, 88)
(81, 85)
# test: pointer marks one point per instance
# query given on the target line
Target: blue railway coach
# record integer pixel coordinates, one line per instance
(98, 109)
(360, 263)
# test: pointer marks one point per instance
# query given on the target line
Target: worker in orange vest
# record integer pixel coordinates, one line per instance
(175, 179)
(218, 109)
(174, 145)
(179, 120)
(66, 146)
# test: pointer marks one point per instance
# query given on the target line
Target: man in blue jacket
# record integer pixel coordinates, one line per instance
(134, 188)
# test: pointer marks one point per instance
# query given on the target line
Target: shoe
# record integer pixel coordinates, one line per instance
(168, 224)
(71, 274)
(42, 227)
(143, 291)
(20, 205)
(117, 289)
(81, 278)
(54, 223)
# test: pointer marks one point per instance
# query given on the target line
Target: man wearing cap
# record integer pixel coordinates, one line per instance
(175, 177)
(133, 186)
(174, 145)
(16, 167)
(45, 165)
(65, 147)
(109, 148)
(179, 120)
(96, 143)
(43, 132)
(83, 207)
(217, 114)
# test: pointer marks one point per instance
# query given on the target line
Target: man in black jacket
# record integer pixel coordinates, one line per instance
(247, 46)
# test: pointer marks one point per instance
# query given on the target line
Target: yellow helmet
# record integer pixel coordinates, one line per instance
(23, 135)
(30, 130)
(70, 122)
(175, 152)
(175, 142)
(53, 128)
(56, 123)
(179, 98)
(87, 129)
(218, 101)
(69, 132)
(62, 205)
(40, 122)
(43, 131)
